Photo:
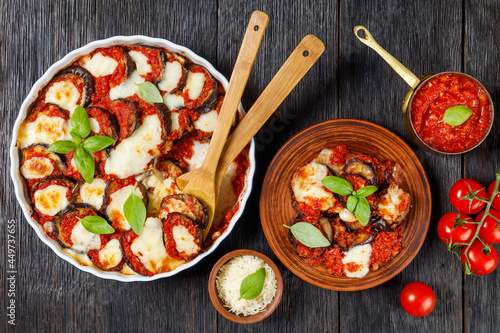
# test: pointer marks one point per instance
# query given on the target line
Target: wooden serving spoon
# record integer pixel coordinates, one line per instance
(292, 71)
(201, 182)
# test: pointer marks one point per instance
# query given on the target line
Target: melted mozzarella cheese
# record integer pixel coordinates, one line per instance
(65, 95)
(51, 200)
(173, 101)
(174, 118)
(347, 216)
(307, 186)
(360, 255)
(37, 167)
(127, 88)
(115, 208)
(132, 155)
(111, 254)
(184, 242)
(93, 194)
(48, 226)
(45, 130)
(171, 76)
(100, 65)
(207, 121)
(194, 84)
(141, 62)
(94, 126)
(389, 203)
(149, 246)
(199, 152)
(160, 189)
(83, 240)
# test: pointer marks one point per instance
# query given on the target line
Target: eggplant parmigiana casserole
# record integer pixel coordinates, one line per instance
(329, 193)
(153, 144)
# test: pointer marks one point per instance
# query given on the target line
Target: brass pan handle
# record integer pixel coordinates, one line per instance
(404, 72)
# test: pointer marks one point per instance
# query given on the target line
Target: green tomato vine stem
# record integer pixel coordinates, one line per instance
(486, 247)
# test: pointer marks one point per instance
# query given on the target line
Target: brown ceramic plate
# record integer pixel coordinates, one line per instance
(360, 137)
(217, 302)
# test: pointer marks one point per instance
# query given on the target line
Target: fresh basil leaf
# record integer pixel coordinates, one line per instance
(135, 212)
(366, 191)
(62, 146)
(97, 142)
(308, 235)
(96, 225)
(76, 138)
(84, 162)
(352, 202)
(252, 285)
(456, 115)
(149, 92)
(80, 122)
(337, 185)
(362, 211)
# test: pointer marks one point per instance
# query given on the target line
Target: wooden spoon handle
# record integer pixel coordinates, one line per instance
(404, 72)
(292, 71)
(246, 57)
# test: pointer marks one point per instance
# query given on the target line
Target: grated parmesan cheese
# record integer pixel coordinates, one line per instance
(229, 279)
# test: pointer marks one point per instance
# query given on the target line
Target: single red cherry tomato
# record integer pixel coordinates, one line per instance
(418, 299)
(481, 263)
(490, 229)
(450, 233)
(496, 202)
(462, 188)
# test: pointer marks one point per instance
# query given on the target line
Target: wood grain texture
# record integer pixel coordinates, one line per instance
(348, 81)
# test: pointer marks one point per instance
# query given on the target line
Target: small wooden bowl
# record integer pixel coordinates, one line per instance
(360, 137)
(217, 302)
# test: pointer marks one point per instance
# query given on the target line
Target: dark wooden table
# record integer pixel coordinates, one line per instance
(348, 81)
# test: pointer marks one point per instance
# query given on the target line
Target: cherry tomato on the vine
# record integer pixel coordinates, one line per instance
(490, 229)
(462, 188)
(418, 299)
(450, 233)
(496, 202)
(481, 263)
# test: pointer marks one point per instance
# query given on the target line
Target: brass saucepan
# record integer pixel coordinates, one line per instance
(415, 83)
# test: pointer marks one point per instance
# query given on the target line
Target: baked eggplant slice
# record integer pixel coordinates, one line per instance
(71, 87)
(90, 194)
(308, 190)
(326, 228)
(128, 115)
(168, 167)
(102, 122)
(70, 232)
(394, 205)
(187, 205)
(45, 124)
(357, 166)
(148, 62)
(174, 74)
(146, 254)
(183, 236)
(38, 162)
(50, 196)
(181, 124)
(109, 257)
(117, 192)
(200, 90)
(346, 238)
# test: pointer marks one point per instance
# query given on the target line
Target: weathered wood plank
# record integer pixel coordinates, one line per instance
(418, 35)
(482, 297)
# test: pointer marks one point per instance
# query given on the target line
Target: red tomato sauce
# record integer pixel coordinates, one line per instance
(438, 94)
(170, 245)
